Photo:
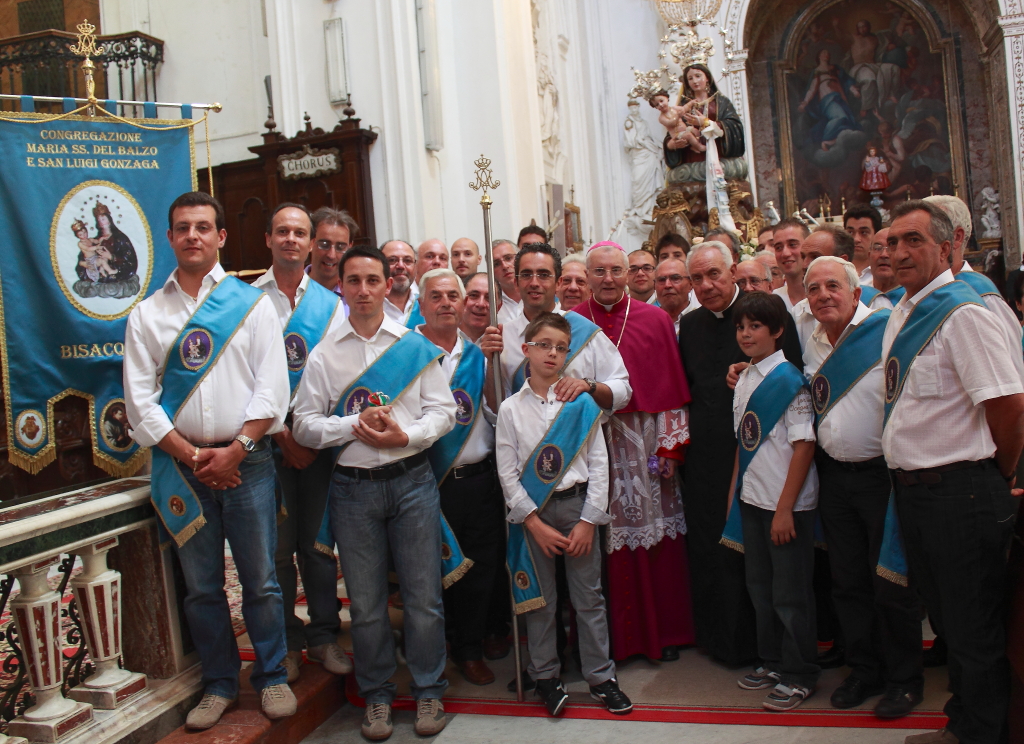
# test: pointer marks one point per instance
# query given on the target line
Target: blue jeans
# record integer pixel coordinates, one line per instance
(247, 517)
(401, 515)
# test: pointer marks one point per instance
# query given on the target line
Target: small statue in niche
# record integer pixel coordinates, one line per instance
(992, 226)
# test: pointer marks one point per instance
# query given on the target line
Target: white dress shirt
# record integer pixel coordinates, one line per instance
(397, 314)
(783, 292)
(866, 277)
(766, 475)
(599, 360)
(425, 412)
(283, 306)
(852, 430)
(249, 381)
(804, 320)
(939, 419)
(481, 437)
(879, 302)
(523, 420)
(1007, 321)
(510, 309)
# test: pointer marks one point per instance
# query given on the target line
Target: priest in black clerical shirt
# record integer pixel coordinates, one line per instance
(722, 611)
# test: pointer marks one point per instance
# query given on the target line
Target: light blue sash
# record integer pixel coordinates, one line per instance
(850, 360)
(467, 386)
(766, 406)
(867, 294)
(920, 326)
(582, 331)
(542, 472)
(392, 373)
(191, 357)
(415, 316)
(979, 283)
(308, 324)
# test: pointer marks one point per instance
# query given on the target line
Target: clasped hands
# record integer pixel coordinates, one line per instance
(552, 542)
(376, 428)
(217, 467)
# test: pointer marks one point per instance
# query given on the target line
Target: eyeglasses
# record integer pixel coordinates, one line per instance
(753, 281)
(406, 260)
(601, 272)
(646, 268)
(543, 276)
(326, 245)
(673, 278)
(545, 346)
(879, 247)
(510, 258)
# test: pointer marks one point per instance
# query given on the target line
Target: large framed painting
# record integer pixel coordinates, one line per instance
(868, 106)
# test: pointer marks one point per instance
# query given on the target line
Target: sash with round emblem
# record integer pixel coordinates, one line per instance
(543, 470)
(767, 405)
(306, 327)
(857, 353)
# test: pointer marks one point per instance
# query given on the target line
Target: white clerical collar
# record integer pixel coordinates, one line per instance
(735, 294)
(608, 308)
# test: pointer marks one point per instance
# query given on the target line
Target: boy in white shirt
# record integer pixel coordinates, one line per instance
(777, 500)
(553, 467)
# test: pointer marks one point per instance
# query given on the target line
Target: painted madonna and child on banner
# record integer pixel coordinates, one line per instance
(83, 202)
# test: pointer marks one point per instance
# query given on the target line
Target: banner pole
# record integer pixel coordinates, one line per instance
(484, 182)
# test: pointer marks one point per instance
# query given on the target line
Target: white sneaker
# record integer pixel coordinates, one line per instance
(208, 712)
(278, 701)
(334, 659)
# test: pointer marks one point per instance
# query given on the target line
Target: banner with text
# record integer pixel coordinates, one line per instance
(83, 202)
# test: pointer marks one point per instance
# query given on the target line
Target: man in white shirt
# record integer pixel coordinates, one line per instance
(304, 474)
(333, 232)
(403, 293)
(887, 290)
(827, 240)
(383, 496)
(789, 236)
(862, 221)
(596, 368)
(504, 254)
(477, 313)
(213, 444)
(465, 258)
(952, 438)
(672, 284)
(641, 276)
(464, 467)
(880, 620)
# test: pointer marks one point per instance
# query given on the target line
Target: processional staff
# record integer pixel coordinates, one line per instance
(485, 183)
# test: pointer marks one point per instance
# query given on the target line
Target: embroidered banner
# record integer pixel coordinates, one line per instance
(83, 202)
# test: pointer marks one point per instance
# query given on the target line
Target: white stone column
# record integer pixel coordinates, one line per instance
(97, 593)
(37, 615)
(1013, 41)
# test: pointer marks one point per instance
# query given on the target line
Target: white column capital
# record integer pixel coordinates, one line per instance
(1012, 25)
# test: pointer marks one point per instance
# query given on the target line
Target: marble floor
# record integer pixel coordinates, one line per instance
(463, 728)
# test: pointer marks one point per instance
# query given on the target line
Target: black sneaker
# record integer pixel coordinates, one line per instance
(614, 699)
(553, 693)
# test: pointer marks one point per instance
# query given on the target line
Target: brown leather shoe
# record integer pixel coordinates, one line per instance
(476, 672)
(496, 647)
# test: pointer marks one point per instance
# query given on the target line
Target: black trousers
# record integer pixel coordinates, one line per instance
(880, 620)
(957, 533)
(475, 510)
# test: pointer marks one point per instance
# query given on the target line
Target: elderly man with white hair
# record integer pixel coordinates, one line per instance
(463, 465)
(723, 613)
(648, 590)
(880, 619)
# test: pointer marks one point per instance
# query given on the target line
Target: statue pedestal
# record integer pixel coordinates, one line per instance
(111, 696)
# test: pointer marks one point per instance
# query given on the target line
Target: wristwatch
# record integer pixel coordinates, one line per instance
(248, 444)
(592, 383)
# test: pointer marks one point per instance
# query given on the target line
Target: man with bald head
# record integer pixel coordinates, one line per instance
(753, 276)
(673, 287)
(403, 294)
(431, 254)
(648, 596)
(465, 258)
(880, 620)
(723, 613)
(767, 257)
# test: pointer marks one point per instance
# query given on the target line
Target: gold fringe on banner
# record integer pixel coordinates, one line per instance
(32, 464)
(115, 467)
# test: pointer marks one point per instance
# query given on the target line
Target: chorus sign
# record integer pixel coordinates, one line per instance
(83, 201)
(309, 163)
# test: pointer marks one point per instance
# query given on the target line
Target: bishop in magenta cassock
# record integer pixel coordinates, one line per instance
(648, 573)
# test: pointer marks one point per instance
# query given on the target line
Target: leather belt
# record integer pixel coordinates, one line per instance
(933, 476)
(875, 463)
(473, 469)
(580, 489)
(384, 472)
(261, 444)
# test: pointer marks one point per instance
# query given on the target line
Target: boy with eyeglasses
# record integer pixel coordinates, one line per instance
(553, 467)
